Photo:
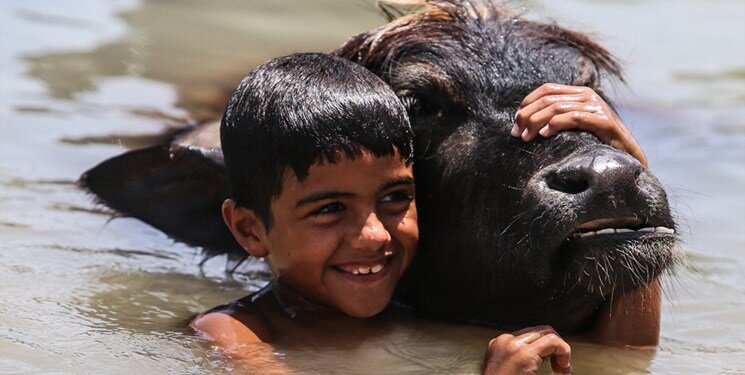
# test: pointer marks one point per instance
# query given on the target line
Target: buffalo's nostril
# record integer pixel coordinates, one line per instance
(602, 173)
(569, 182)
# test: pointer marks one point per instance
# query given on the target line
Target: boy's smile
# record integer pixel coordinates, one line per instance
(343, 236)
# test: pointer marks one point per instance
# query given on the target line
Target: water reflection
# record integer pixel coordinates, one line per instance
(152, 303)
(201, 49)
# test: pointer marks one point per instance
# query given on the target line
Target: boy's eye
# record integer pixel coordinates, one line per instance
(397, 196)
(329, 209)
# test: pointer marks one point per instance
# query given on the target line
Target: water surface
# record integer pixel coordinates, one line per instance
(81, 81)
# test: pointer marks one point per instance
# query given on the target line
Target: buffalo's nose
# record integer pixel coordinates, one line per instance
(596, 175)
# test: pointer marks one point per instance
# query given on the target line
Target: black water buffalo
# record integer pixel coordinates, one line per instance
(512, 233)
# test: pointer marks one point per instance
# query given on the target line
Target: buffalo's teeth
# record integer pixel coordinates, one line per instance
(625, 230)
(355, 272)
(364, 270)
(376, 268)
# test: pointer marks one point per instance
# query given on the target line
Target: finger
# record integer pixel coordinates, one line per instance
(534, 335)
(523, 116)
(547, 101)
(560, 368)
(598, 124)
(501, 339)
(557, 349)
(577, 94)
(543, 328)
(540, 119)
(552, 89)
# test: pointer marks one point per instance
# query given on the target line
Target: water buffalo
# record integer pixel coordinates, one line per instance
(512, 233)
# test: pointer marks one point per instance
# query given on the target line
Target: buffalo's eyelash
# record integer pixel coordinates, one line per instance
(409, 102)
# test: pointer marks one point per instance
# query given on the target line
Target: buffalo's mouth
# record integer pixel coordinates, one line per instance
(625, 227)
(617, 252)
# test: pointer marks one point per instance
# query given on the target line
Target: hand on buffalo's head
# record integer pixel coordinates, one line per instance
(553, 108)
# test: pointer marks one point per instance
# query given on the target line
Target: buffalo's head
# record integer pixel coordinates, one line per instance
(513, 232)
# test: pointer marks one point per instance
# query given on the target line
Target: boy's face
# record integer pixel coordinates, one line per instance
(344, 236)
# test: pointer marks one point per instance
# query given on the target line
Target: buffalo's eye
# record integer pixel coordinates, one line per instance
(433, 112)
(417, 107)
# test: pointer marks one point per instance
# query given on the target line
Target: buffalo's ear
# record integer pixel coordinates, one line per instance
(175, 188)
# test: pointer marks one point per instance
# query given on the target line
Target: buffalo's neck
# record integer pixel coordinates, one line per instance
(444, 298)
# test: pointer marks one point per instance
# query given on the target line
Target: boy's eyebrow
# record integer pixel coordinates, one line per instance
(404, 180)
(321, 195)
(331, 194)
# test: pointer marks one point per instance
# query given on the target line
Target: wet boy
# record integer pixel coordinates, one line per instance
(319, 156)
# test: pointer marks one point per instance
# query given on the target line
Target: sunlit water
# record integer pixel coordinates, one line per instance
(81, 81)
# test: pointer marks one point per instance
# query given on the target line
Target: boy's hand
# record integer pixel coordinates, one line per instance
(553, 108)
(524, 351)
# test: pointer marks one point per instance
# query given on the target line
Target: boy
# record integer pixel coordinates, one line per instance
(319, 157)
(318, 152)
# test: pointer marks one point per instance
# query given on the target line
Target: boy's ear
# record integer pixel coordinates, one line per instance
(247, 228)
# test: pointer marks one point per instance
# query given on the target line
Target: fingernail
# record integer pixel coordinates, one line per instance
(515, 132)
(525, 135)
(543, 131)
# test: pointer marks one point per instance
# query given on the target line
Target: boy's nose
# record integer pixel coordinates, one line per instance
(372, 236)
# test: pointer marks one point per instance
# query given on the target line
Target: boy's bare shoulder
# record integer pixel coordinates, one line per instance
(238, 322)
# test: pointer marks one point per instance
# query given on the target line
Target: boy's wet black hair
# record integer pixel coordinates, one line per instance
(296, 110)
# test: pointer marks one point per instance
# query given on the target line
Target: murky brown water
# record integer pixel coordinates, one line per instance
(81, 81)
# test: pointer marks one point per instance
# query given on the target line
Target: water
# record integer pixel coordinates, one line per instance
(81, 81)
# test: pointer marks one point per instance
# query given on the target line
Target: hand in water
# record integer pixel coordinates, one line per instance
(524, 351)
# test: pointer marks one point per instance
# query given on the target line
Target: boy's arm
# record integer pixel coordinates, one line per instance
(631, 318)
(243, 336)
(229, 331)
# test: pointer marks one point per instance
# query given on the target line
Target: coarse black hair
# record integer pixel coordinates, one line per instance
(301, 109)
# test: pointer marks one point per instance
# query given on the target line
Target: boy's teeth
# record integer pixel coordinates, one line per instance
(364, 270)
